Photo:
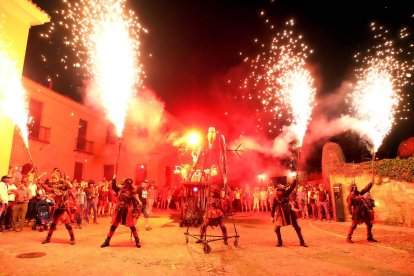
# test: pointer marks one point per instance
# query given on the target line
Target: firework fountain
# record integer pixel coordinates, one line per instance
(13, 102)
(284, 84)
(105, 39)
(377, 92)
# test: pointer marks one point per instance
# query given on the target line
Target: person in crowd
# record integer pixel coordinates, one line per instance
(142, 193)
(81, 201)
(126, 211)
(55, 176)
(32, 186)
(247, 193)
(20, 205)
(163, 195)
(4, 199)
(103, 196)
(302, 200)
(263, 199)
(282, 213)
(312, 201)
(61, 190)
(169, 197)
(237, 199)
(17, 174)
(152, 194)
(11, 190)
(322, 201)
(214, 215)
(256, 199)
(177, 197)
(91, 194)
(361, 210)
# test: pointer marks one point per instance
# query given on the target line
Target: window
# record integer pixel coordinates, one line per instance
(37, 131)
(78, 171)
(109, 171)
(82, 144)
(81, 141)
(35, 112)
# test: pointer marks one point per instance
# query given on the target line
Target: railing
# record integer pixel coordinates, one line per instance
(84, 145)
(40, 133)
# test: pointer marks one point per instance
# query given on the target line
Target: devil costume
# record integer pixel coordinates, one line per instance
(214, 215)
(282, 213)
(361, 209)
(62, 194)
(126, 211)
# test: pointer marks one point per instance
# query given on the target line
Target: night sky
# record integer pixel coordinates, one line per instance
(195, 48)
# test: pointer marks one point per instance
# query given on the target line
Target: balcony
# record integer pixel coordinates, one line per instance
(84, 145)
(40, 133)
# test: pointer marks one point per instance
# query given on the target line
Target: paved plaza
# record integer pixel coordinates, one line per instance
(164, 250)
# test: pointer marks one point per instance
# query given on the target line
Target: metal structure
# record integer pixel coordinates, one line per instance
(197, 179)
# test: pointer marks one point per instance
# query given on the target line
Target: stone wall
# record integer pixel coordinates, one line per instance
(394, 198)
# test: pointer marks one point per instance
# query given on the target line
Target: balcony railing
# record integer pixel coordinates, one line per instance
(40, 133)
(84, 145)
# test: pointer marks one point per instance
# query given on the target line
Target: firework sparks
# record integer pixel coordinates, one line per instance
(378, 89)
(13, 103)
(283, 83)
(105, 40)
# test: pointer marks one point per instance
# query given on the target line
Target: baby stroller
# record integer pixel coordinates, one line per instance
(43, 218)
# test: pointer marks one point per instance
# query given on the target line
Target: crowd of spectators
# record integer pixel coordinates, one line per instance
(22, 193)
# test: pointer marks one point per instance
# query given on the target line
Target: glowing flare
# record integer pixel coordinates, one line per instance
(299, 94)
(378, 90)
(113, 65)
(193, 139)
(13, 103)
(283, 84)
(375, 101)
(104, 38)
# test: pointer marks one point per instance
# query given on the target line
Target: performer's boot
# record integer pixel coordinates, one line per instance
(202, 233)
(138, 245)
(302, 242)
(47, 240)
(135, 234)
(224, 232)
(350, 232)
(105, 243)
(279, 237)
(71, 234)
(72, 239)
(369, 233)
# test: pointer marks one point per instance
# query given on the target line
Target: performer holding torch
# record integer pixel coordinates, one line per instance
(61, 191)
(282, 213)
(126, 211)
(361, 210)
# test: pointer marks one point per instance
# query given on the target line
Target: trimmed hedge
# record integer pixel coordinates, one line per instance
(397, 169)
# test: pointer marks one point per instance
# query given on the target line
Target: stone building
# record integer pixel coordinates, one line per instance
(393, 190)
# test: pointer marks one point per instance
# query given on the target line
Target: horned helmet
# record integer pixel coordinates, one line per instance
(126, 183)
(353, 187)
